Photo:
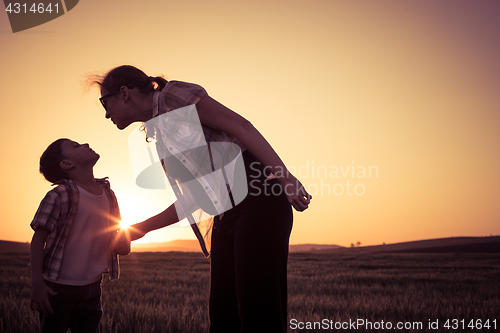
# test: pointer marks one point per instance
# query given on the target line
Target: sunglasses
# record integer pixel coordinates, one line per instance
(102, 99)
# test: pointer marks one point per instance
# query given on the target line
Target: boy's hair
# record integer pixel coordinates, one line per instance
(50, 162)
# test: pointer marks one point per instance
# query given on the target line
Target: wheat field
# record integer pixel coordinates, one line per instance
(168, 292)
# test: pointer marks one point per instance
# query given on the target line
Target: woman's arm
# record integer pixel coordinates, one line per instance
(164, 219)
(215, 115)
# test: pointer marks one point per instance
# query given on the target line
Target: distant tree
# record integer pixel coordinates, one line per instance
(383, 243)
(358, 243)
(352, 244)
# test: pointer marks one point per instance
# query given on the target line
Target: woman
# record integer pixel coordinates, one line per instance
(248, 234)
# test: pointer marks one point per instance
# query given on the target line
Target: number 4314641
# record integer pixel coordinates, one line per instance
(473, 324)
(18, 8)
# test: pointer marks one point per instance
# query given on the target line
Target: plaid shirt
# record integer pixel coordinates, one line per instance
(56, 213)
(177, 134)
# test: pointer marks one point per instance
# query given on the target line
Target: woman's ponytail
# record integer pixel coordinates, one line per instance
(160, 82)
(131, 76)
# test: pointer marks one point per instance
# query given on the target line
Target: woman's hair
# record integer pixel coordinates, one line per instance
(130, 76)
(50, 162)
(127, 75)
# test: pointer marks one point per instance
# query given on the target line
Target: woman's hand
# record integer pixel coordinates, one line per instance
(135, 232)
(295, 192)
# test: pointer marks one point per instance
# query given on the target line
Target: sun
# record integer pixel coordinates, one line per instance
(130, 210)
(125, 223)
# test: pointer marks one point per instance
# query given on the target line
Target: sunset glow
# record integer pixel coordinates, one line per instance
(126, 224)
(387, 111)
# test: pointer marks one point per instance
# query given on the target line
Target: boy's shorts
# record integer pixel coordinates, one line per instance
(75, 307)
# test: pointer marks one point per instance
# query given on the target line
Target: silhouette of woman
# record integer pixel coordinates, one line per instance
(251, 217)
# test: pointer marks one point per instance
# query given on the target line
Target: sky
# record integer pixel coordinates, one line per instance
(388, 111)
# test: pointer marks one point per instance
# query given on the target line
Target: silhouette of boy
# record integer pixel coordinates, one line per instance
(76, 239)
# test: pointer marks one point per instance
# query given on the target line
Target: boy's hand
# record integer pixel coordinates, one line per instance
(121, 243)
(40, 299)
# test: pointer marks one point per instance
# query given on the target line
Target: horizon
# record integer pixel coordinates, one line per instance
(195, 241)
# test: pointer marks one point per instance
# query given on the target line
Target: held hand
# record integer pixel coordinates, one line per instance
(136, 232)
(121, 243)
(40, 299)
(296, 193)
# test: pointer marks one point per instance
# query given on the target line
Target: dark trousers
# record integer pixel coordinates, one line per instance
(75, 307)
(248, 286)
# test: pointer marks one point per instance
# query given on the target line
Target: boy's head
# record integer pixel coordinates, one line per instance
(63, 157)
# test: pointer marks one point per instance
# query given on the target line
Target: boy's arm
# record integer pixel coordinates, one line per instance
(39, 290)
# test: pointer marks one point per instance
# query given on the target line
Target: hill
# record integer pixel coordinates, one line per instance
(182, 245)
(312, 247)
(14, 247)
(194, 246)
(439, 245)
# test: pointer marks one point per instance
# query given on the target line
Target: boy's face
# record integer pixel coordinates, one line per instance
(79, 154)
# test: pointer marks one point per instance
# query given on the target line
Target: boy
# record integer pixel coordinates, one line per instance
(75, 240)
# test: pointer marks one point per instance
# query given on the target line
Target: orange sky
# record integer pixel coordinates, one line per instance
(409, 88)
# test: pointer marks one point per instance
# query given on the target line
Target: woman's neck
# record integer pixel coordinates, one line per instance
(146, 107)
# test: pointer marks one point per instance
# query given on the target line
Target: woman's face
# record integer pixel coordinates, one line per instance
(119, 110)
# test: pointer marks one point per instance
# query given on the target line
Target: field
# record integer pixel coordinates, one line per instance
(168, 292)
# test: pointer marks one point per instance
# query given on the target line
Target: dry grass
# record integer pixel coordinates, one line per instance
(395, 288)
(168, 292)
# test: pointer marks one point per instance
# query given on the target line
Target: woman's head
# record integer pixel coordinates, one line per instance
(129, 75)
(126, 94)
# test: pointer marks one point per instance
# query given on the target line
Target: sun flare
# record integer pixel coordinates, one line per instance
(125, 223)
